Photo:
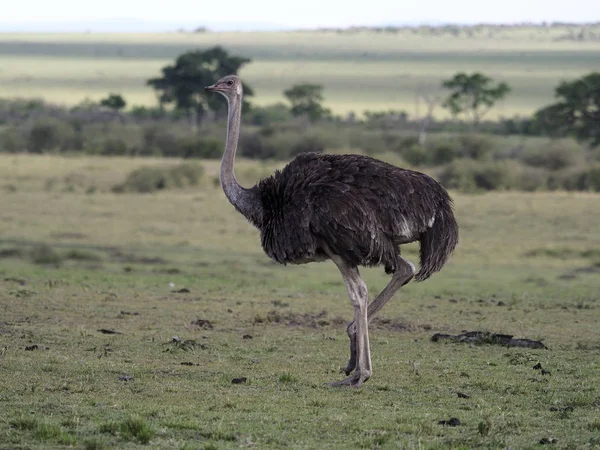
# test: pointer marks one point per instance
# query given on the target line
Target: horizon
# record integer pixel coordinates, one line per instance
(266, 15)
(124, 25)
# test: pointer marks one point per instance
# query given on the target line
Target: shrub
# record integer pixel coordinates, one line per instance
(265, 115)
(473, 176)
(158, 139)
(371, 142)
(281, 144)
(442, 153)
(531, 178)
(45, 255)
(109, 139)
(415, 155)
(444, 149)
(114, 147)
(555, 155)
(307, 144)
(150, 179)
(49, 134)
(578, 179)
(475, 146)
(195, 147)
(12, 141)
(184, 175)
(255, 146)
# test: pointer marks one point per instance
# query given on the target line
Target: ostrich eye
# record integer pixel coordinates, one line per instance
(230, 83)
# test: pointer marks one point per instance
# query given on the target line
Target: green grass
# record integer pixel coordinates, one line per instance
(360, 71)
(527, 265)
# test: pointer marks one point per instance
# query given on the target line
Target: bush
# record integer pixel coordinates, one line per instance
(49, 134)
(265, 115)
(442, 149)
(531, 178)
(475, 146)
(307, 144)
(12, 141)
(45, 255)
(442, 153)
(555, 155)
(255, 146)
(371, 142)
(114, 147)
(158, 140)
(195, 147)
(415, 155)
(472, 176)
(150, 179)
(578, 179)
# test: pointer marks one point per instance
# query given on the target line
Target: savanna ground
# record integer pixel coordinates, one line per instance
(180, 276)
(359, 71)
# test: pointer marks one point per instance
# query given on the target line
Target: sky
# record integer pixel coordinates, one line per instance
(112, 15)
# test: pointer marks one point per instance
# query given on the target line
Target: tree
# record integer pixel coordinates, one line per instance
(578, 111)
(431, 100)
(306, 101)
(182, 84)
(473, 95)
(116, 102)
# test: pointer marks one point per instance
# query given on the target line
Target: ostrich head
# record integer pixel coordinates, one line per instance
(229, 86)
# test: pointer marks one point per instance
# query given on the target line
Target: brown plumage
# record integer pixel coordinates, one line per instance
(352, 209)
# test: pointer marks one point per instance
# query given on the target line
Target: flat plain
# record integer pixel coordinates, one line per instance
(359, 71)
(124, 319)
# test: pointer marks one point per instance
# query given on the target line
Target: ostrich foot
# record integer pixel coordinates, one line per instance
(355, 380)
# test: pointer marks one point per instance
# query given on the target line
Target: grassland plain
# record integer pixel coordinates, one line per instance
(76, 258)
(360, 71)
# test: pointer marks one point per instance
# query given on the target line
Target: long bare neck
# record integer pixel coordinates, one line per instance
(246, 201)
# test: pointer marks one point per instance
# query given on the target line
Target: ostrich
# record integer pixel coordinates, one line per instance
(351, 209)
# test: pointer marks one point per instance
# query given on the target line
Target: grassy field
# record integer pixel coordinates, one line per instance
(182, 279)
(360, 71)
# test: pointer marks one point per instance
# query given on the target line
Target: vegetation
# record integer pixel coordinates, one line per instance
(578, 111)
(156, 320)
(359, 69)
(472, 95)
(183, 83)
(306, 100)
(116, 102)
(150, 179)
(180, 279)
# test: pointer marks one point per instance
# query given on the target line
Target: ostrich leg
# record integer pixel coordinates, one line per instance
(357, 290)
(401, 277)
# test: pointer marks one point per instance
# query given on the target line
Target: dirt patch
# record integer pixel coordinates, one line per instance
(562, 253)
(11, 253)
(202, 324)
(593, 269)
(130, 258)
(108, 331)
(182, 291)
(311, 320)
(68, 235)
(168, 271)
(5, 328)
(396, 325)
(177, 343)
(19, 281)
(452, 422)
(484, 337)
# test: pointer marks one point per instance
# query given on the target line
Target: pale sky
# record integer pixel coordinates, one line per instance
(17, 14)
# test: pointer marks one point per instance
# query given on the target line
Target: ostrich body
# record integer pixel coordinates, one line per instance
(351, 209)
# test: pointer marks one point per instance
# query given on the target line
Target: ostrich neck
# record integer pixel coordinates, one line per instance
(246, 201)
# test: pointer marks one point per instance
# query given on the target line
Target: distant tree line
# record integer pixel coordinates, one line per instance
(185, 123)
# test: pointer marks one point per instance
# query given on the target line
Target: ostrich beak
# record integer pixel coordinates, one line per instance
(211, 88)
